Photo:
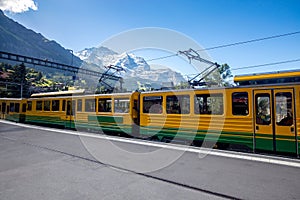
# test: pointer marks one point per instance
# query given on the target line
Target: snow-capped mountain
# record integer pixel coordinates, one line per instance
(101, 56)
(134, 66)
(132, 62)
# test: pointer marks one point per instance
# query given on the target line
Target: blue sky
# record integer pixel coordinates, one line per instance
(81, 24)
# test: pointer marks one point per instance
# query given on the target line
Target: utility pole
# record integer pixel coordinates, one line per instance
(23, 76)
(70, 50)
(72, 57)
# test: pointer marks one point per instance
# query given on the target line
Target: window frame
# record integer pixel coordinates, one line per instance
(47, 105)
(17, 107)
(24, 106)
(287, 119)
(174, 104)
(63, 108)
(90, 105)
(157, 101)
(79, 104)
(55, 108)
(260, 118)
(11, 107)
(29, 105)
(235, 108)
(119, 108)
(206, 106)
(105, 106)
(39, 105)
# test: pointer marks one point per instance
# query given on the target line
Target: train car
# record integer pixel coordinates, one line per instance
(198, 115)
(13, 109)
(261, 115)
(51, 108)
(109, 113)
(73, 109)
(276, 108)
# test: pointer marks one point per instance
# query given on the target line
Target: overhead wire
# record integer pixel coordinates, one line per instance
(231, 44)
(163, 57)
(260, 65)
(249, 41)
(267, 64)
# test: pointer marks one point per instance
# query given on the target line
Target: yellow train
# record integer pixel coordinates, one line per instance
(261, 113)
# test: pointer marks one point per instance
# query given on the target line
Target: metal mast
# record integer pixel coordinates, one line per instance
(191, 54)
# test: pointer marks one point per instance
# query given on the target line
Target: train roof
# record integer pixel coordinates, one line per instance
(11, 99)
(289, 76)
(59, 93)
(72, 94)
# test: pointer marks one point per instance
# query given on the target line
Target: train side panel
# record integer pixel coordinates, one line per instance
(13, 109)
(105, 113)
(297, 110)
(201, 121)
(47, 111)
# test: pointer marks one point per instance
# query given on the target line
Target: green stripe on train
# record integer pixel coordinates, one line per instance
(281, 145)
(98, 123)
(105, 127)
(16, 117)
(262, 141)
(105, 119)
(213, 136)
(45, 120)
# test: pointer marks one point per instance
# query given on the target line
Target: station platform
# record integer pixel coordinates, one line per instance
(48, 163)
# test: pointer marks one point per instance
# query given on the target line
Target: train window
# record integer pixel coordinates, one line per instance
(209, 104)
(11, 107)
(152, 104)
(47, 105)
(263, 111)
(240, 104)
(121, 105)
(29, 105)
(179, 104)
(55, 105)
(64, 105)
(24, 107)
(70, 107)
(3, 107)
(104, 105)
(79, 105)
(17, 107)
(90, 105)
(39, 105)
(284, 111)
(73, 107)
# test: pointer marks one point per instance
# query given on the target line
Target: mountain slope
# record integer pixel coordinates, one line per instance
(15, 38)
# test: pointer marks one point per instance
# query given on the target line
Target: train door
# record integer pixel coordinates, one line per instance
(135, 114)
(3, 110)
(70, 113)
(274, 120)
(23, 112)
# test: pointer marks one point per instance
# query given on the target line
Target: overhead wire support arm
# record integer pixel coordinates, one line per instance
(191, 54)
(109, 74)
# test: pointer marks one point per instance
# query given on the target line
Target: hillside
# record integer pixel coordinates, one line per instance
(15, 38)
